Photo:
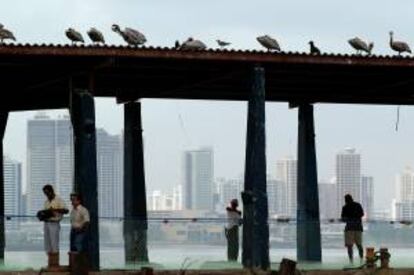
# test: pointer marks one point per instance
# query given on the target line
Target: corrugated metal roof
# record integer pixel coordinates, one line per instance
(102, 49)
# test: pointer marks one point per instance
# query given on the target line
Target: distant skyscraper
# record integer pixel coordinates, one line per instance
(348, 175)
(273, 196)
(404, 203)
(49, 158)
(178, 197)
(198, 179)
(12, 190)
(229, 189)
(286, 173)
(328, 201)
(64, 157)
(110, 171)
(367, 195)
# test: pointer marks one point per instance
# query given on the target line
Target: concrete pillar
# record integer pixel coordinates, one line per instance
(255, 251)
(82, 110)
(3, 123)
(308, 221)
(135, 205)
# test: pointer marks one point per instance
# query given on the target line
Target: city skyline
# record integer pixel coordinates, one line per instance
(151, 186)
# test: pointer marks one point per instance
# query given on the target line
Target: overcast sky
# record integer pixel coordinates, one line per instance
(173, 126)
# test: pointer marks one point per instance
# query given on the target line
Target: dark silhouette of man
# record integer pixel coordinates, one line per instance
(232, 230)
(352, 213)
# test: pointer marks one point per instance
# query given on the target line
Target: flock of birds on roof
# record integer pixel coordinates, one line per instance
(136, 38)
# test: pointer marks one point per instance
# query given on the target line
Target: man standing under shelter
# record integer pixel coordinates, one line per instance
(352, 214)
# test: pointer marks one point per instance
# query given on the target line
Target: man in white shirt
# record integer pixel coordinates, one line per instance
(79, 220)
(56, 207)
(232, 230)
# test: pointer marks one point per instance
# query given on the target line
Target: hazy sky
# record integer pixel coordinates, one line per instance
(173, 126)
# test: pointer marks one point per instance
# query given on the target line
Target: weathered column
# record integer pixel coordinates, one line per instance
(255, 219)
(308, 223)
(135, 205)
(82, 110)
(3, 123)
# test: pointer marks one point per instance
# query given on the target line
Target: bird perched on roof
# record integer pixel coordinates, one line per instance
(5, 34)
(177, 44)
(313, 48)
(131, 36)
(359, 45)
(222, 43)
(192, 44)
(399, 46)
(269, 43)
(74, 35)
(96, 36)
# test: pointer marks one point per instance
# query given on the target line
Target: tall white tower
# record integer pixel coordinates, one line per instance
(348, 175)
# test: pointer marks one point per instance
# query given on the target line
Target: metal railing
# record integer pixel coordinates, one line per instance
(200, 243)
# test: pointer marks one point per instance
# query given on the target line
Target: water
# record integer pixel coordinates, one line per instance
(198, 257)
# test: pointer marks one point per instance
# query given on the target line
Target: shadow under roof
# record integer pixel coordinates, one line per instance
(41, 76)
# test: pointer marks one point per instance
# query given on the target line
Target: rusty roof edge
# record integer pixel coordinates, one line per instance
(250, 56)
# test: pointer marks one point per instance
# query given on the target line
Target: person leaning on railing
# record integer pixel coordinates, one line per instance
(79, 220)
(232, 230)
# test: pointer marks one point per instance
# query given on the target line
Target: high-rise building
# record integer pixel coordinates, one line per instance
(348, 175)
(229, 189)
(328, 200)
(64, 157)
(178, 197)
(198, 179)
(110, 174)
(286, 174)
(12, 191)
(367, 196)
(49, 158)
(404, 202)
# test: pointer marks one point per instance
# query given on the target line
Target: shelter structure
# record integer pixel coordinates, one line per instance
(37, 77)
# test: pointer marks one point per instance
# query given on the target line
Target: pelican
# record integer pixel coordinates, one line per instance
(74, 36)
(96, 36)
(6, 34)
(131, 36)
(269, 43)
(222, 43)
(313, 48)
(191, 44)
(399, 46)
(359, 45)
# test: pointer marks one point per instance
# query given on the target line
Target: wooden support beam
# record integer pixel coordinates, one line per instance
(255, 227)
(308, 221)
(82, 110)
(135, 205)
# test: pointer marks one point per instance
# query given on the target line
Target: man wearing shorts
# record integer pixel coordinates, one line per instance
(352, 213)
